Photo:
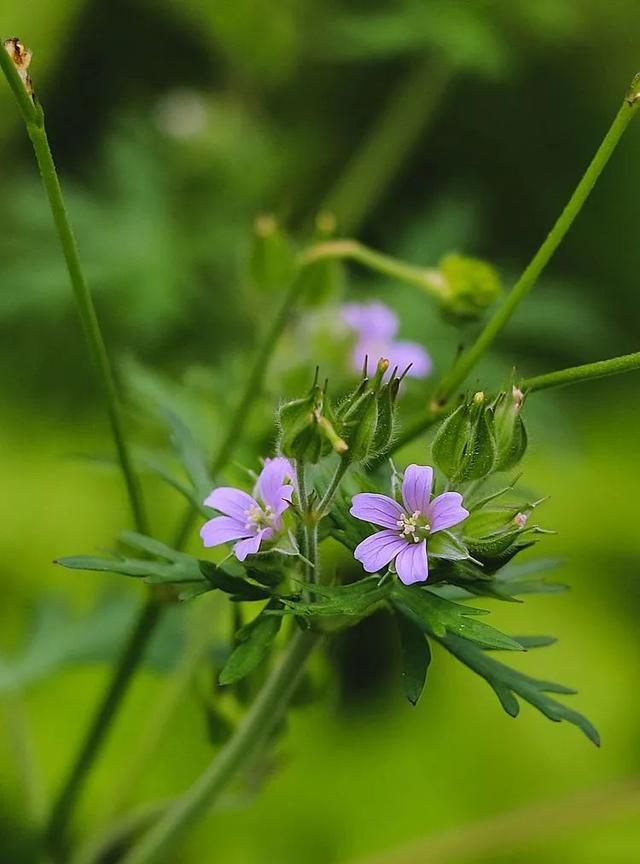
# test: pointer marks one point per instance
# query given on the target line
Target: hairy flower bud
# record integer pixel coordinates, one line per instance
(509, 429)
(464, 447)
(308, 427)
(469, 287)
(367, 416)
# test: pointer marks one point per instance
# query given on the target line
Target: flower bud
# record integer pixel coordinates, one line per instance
(367, 416)
(464, 447)
(308, 427)
(271, 260)
(469, 287)
(509, 429)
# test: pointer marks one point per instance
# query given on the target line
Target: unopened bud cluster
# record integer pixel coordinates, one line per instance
(358, 429)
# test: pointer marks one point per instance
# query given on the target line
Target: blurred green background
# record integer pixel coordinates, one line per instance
(425, 126)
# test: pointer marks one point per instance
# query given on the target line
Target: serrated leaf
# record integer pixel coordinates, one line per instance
(358, 599)
(254, 641)
(415, 657)
(509, 683)
(437, 617)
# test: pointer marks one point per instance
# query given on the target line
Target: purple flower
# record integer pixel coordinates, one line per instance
(250, 519)
(375, 326)
(407, 528)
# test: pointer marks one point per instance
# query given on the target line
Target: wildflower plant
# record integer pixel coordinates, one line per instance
(427, 539)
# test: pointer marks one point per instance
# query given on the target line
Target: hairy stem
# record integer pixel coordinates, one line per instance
(251, 734)
(526, 282)
(327, 499)
(586, 372)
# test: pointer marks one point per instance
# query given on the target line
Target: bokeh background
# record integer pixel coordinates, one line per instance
(425, 126)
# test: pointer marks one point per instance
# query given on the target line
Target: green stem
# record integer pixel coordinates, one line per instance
(130, 658)
(251, 734)
(394, 134)
(33, 116)
(425, 278)
(525, 283)
(34, 120)
(248, 395)
(586, 372)
(327, 499)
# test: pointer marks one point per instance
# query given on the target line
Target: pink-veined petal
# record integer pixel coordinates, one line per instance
(232, 502)
(416, 488)
(377, 551)
(412, 565)
(276, 473)
(249, 546)
(445, 511)
(377, 509)
(223, 529)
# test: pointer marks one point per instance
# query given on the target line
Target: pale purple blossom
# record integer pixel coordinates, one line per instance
(250, 519)
(406, 528)
(375, 327)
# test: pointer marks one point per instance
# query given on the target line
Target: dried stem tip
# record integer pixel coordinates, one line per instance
(633, 93)
(21, 57)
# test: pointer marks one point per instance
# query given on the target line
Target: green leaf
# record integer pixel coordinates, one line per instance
(150, 546)
(236, 586)
(190, 454)
(254, 641)
(415, 655)
(509, 683)
(186, 569)
(443, 544)
(358, 599)
(437, 617)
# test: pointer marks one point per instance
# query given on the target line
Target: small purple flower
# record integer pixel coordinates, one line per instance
(250, 519)
(375, 326)
(407, 528)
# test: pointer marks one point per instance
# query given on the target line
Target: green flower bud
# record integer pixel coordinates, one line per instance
(367, 417)
(469, 286)
(509, 429)
(464, 446)
(308, 427)
(272, 258)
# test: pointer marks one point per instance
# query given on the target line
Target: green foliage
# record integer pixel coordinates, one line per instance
(415, 656)
(253, 644)
(437, 617)
(509, 683)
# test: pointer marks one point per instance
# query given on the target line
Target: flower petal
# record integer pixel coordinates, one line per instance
(416, 488)
(376, 551)
(412, 565)
(403, 354)
(445, 511)
(281, 500)
(249, 546)
(377, 509)
(276, 473)
(222, 529)
(232, 502)
(372, 321)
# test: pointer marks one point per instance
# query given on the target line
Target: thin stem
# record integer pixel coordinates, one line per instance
(130, 658)
(425, 278)
(327, 499)
(33, 116)
(250, 392)
(523, 286)
(586, 372)
(394, 134)
(253, 732)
